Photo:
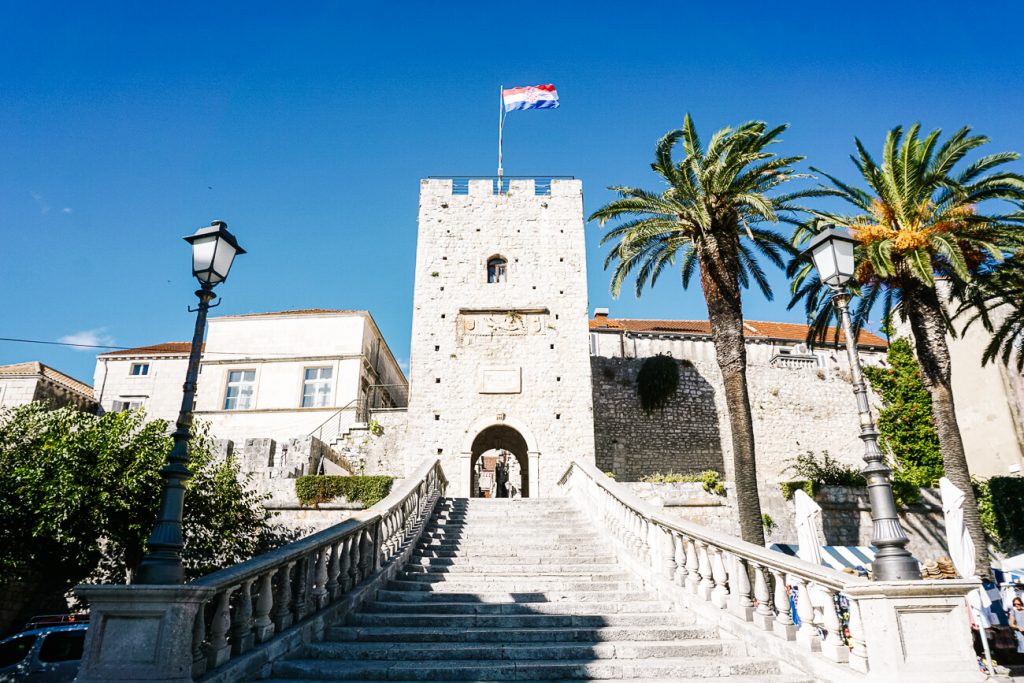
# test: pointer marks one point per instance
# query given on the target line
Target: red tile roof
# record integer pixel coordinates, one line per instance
(752, 329)
(39, 369)
(165, 349)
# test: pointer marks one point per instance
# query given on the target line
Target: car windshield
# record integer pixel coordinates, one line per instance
(62, 646)
(14, 650)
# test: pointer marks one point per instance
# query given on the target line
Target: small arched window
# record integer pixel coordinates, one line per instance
(496, 269)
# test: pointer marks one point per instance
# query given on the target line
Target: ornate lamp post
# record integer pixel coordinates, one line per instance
(832, 253)
(213, 251)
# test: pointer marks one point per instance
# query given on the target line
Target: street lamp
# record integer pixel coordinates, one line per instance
(213, 251)
(832, 254)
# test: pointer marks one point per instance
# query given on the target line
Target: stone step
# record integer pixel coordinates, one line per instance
(510, 621)
(512, 575)
(761, 678)
(431, 565)
(456, 607)
(584, 669)
(623, 649)
(550, 556)
(506, 540)
(525, 585)
(583, 634)
(550, 596)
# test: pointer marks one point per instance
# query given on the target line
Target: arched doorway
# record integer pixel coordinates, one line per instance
(495, 447)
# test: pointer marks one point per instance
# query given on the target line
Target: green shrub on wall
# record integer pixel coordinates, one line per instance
(1002, 511)
(905, 423)
(319, 488)
(711, 479)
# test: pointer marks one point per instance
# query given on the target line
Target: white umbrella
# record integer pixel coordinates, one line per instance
(807, 514)
(963, 553)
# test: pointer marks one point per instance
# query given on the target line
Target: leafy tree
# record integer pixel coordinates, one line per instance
(79, 494)
(996, 298)
(919, 219)
(905, 422)
(714, 198)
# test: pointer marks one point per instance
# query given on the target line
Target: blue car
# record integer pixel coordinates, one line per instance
(43, 655)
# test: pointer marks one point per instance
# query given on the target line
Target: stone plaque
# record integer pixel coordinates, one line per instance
(501, 381)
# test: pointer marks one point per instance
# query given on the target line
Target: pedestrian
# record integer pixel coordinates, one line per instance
(501, 476)
(1016, 615)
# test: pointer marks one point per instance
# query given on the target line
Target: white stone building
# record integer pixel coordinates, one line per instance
(499, 355)
(23, 383)
(768, 343)
(148, 377)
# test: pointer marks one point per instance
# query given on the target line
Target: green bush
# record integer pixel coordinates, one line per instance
(711, 479)
(1002, 513)
(812, 473)
(768, 523)
(788, 488)
(319, 488)
(905, 426)
(657, 381)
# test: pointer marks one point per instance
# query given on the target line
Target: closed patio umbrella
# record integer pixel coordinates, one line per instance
(963, 553)
(807, 514)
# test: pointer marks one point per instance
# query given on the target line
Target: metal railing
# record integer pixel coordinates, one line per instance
(383, 397)
(748, 580)
(261, 599)
(340, 421)
(541, 184)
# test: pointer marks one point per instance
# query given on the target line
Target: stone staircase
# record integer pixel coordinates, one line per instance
(501, 590)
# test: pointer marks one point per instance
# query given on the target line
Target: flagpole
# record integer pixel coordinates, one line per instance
(501, 127)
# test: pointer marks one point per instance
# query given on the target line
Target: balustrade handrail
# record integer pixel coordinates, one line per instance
(822, 575)
(255, 600)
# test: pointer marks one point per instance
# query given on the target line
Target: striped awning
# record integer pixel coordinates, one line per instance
(836, 556)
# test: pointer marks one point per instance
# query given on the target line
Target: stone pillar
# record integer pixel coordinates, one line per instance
(464, 476)
(916, 630)
(534, 474)
(140, 633)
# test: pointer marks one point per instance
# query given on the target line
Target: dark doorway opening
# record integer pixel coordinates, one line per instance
(495, 449)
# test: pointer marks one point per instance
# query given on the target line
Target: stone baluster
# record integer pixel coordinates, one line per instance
(366, 554)
(199, 643)
(679, 551)
(858, 649)
(219, 650)
(302, 588)
(692, 566)
(646, 551)
(345, 574)
(242, 638)
(668, 552)
(333, 570)
(283, 601)
(320, 592)
(706, 584)
(784, 626)
(740, 602)
(353, 552)
(263, 627)
(807, 634)
(720, 593)
(834, 645)
(636, 531)
(763, 616)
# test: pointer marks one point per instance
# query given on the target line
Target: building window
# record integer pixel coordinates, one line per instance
(139, 369)
(316, 388)
(496, 268)
(127, 403)
(241, 386)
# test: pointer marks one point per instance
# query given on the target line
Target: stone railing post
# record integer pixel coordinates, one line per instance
(140, 633)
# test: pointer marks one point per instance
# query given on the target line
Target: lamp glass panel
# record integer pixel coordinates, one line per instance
(202, 254)
(825, 262)
(844, 259)
(223, 258)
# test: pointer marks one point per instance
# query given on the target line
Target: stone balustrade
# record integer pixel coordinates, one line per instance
(919, 630)
(228, 624)
(792, 361)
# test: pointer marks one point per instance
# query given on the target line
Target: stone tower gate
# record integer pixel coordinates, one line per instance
(500, 347)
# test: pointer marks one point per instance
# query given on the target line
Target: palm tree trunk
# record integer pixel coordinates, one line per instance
(926, 320)
(718, 268)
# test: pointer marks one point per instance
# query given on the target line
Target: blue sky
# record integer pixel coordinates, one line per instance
(306, 126)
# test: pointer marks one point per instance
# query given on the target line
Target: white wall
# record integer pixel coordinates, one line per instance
(16, 391)
(159, 391)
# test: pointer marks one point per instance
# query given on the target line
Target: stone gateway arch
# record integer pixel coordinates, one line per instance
(500, 354)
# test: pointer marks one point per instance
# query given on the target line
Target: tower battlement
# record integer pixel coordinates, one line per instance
(511, 186)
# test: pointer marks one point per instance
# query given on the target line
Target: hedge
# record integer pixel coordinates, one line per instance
(1002, 511)
(319, 488)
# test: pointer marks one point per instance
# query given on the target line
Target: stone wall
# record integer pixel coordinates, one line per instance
(381, 453)
(794, 410)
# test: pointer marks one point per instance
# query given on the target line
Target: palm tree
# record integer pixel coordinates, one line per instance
(996, 298)
(713, 199)
(920, 222)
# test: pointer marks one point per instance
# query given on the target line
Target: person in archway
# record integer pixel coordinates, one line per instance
(501, 476)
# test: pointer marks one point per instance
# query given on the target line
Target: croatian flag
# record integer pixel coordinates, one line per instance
(530, 97)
